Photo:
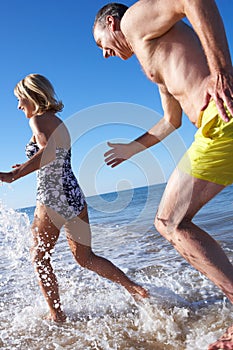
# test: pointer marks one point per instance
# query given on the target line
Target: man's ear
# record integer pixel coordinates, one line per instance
(110, 22)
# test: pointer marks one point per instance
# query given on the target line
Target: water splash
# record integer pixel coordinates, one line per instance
(185, 311)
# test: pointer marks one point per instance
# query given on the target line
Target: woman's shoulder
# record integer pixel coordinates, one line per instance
(48, 117)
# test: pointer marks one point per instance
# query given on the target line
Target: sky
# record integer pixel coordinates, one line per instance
(104, 99)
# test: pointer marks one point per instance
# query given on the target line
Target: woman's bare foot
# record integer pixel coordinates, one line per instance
(225, 342)
(138, 292)
(57, 317)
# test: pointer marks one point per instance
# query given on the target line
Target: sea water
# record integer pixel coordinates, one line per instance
(185, 310)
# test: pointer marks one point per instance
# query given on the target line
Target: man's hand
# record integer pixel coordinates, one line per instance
(220, 89)
(118, 153)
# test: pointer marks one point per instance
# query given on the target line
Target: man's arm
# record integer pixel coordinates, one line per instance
(159, 16)
(153, 18)
(207, 22)
(171, 120)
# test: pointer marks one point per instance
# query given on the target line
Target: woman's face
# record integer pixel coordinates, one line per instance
(26, 106)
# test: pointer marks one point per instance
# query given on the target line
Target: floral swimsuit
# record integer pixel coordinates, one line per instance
(57, 186)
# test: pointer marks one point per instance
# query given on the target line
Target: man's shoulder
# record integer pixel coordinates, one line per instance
(149, 19)
(127, 20)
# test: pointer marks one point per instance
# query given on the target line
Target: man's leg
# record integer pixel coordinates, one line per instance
(184, 196)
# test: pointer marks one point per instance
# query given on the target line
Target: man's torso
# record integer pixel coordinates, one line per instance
(177, 61)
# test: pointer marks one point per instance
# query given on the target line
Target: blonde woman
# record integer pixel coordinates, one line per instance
(60, 200)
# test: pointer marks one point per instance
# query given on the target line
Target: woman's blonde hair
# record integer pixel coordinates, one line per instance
(40, 92)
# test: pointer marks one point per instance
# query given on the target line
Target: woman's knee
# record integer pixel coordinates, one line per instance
(84, 257)
(86, 262)
(44, 240)
(37, 255)
(41, 253)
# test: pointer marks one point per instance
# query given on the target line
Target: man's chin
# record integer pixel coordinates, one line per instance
(124, 58)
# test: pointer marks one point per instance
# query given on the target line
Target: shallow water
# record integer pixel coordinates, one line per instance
(185, 310)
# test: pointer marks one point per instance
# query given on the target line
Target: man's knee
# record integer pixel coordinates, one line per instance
(160, 224)
(170, 226)
(165, 227)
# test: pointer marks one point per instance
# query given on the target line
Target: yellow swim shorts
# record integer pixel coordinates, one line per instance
(210, 157)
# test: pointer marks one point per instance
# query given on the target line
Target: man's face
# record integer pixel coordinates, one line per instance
(112, 41)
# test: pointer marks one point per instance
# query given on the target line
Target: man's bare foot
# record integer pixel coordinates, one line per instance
(59, 317)
(225, 342)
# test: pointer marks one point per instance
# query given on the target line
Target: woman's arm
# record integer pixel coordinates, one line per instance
(45, 155)
(41, 158)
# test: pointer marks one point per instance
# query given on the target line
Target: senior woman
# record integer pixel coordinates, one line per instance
(60, 200)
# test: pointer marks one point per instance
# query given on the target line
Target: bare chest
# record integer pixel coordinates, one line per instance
(149, 59)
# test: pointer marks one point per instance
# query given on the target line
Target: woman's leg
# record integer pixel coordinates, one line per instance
(45, 236)
(79, 239)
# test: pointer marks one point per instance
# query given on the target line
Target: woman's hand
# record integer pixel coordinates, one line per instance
(7, 177)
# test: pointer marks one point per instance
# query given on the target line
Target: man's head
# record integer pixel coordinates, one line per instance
(113, 9)
(107, 31)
